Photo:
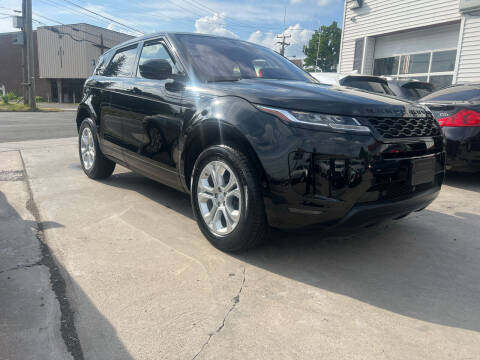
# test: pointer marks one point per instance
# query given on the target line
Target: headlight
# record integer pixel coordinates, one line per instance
(337, 122)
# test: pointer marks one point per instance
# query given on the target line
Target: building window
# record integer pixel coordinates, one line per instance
(415, 64)
(441, 81)
(358, 57)
(435, 67)
(444, 61)
(386, 66)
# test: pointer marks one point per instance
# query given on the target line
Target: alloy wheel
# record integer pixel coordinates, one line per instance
(219, 197)
(87, 148)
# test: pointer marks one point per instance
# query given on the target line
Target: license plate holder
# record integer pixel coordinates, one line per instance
(422, 171)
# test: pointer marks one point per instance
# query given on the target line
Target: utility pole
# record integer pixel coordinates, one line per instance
(30, 61)
(283, 42)
(24, 56)
(283, 36)
(318, 49)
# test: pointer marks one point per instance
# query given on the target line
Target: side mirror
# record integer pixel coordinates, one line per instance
(156, 69)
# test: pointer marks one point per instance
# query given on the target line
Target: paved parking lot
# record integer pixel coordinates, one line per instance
(140, 281)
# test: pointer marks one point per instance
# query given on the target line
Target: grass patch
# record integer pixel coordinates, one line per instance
(22, 107)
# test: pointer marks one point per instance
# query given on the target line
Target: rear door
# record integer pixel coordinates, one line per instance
(152, 127)
(119, 69)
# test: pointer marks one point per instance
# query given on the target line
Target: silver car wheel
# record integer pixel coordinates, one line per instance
(87, 148)
(219, 197)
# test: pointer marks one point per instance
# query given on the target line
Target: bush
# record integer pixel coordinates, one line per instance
(39, 99)
(5, 99)
(10, 95)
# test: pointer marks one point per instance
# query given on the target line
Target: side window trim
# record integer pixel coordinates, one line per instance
(160, 40)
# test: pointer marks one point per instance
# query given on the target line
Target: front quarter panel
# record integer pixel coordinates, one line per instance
(269, 139)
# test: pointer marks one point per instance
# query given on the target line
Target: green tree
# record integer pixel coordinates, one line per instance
(326, 43)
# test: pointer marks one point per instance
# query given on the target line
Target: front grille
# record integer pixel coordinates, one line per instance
(394, 128)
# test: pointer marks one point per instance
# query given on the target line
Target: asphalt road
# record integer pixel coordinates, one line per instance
(143, 283)
(21, 126)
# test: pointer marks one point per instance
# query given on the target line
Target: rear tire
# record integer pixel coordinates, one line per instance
(227, 199)
(94, 163)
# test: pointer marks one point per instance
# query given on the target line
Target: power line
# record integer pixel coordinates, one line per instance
(105, 17)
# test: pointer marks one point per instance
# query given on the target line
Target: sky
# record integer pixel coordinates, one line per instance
(254, 20)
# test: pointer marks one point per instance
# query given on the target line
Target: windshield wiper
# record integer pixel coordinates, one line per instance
(227, 79)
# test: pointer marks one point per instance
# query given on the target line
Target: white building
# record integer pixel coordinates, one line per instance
(432, 40)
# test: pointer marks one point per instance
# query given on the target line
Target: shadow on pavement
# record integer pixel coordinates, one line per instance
(63, 287)
(426, 266)
(466, 181)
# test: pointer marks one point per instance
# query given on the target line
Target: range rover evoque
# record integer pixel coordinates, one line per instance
(256, 141)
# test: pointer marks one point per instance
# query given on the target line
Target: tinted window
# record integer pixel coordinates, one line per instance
(372, 86)
(102, 62)
(456, 93)
(122, 63)
(155, 51)
(358, 57)
(444, 61)
(219, 59)
(386, 66)
(415, 64)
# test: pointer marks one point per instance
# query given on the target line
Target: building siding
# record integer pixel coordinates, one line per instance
(71, 51)
(378, 17)
(468, 69)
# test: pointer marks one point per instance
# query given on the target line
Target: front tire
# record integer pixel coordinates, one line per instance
(94, 163)
(227, 199)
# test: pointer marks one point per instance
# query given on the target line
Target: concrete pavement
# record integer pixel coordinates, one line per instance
(22, 126)
(143, 283)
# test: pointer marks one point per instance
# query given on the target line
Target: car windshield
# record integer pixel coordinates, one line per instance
(369, 85)
(416, 91)
(456, 93)
(221, 59)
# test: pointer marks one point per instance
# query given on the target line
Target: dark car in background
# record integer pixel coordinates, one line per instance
(409, 89)
(457, 109)
(255, 140)
(375, 84)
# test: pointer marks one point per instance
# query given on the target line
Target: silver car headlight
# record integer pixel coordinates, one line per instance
(336, 122)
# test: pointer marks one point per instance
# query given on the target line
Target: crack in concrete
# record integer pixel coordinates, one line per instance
(57, 282)
(236, 300)
(18, 267)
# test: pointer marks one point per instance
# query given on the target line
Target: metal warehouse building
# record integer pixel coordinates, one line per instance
(65, 57)
(429, 40)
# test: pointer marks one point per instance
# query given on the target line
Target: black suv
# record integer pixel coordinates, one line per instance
(255, 140)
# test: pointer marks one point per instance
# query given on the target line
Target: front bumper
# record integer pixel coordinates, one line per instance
(348, 179)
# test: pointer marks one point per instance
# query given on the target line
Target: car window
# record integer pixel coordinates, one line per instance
(456, 93)
(221, 59)
(101, 64)
(372, 86)
(122, 62)
(155, 51)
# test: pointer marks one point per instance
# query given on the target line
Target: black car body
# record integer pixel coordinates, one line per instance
(322, 155)
(457, 109)
(408, 89)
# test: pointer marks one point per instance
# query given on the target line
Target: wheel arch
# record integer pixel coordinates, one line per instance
(215, 132)
(84, 112)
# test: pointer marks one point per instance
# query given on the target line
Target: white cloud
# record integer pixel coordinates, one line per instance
(299, 38)
(215, 25)
(319, 2)
(6, 22)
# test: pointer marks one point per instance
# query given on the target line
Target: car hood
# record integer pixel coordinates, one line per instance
(315, 97)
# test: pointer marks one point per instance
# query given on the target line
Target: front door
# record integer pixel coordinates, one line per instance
(152, 129)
